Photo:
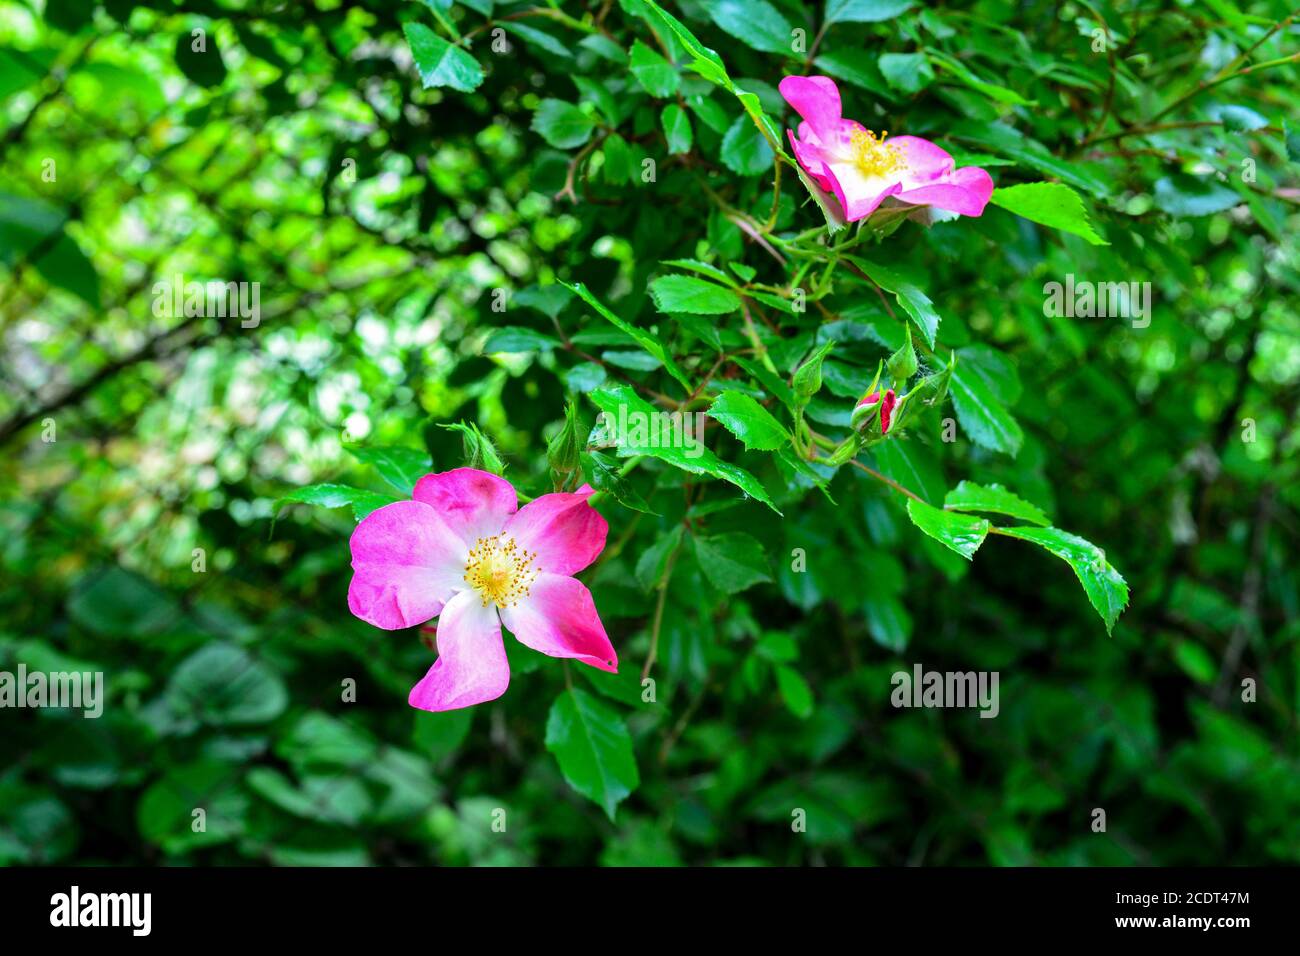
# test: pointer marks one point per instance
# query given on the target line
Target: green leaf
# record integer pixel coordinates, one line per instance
(859, 67)
(1196, 662)
(703, 268)
(656, 75)
(624, 687)
(620, 164)
(652, 433)
(755, 23)
(993, 499)
(650, 343)
(677, 129)
(1050, 204)
(959, 532)
(864, 11)
(710, 112)
(652, 565)
(993, 91)
(630, 359)
(223, 685)
(204, 67)
(343, 801)
(439, 734)
(888, 622)
(165, 811)
(540, 39)
(603, 474)
(676, 293)
(909, 72)
(549, 300)
(794, 691)
(604, 47)
(982, 414)
(703, 60)
(20, 69)
(744, 150)
(609, 105)
(749, 421)
(401, 467)
(585, 376)
(1106, 588)
(439, 62)
(591, 743)
(562, 124)
(914, 302)
(328, 495)
(318, 740)
(732, 562)
(115, 601)
(772, 383)
(1189, 196)
(514, 338)
(913, 466)
(1237, 119)
(33, 229)
(1008, 141)
(778, 647)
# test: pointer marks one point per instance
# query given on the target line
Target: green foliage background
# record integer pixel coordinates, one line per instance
(382, 184)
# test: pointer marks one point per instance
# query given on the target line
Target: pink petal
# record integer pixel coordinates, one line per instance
(559, 619)
(967, 192)
(471, 667)
(406, 564)
(816, 99)
(809, 157)
(859, 196)
(475, 504)
(925, 161)
(566, 532)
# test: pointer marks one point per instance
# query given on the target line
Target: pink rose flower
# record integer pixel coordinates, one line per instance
(461, 552)
(846, 158)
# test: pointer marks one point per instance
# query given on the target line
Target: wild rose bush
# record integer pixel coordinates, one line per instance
(643, 387)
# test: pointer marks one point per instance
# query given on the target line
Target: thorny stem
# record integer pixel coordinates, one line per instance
(889, 481)
(558, 15)
(573, 169)
(659, 612)
(776, 195)
(1223, 77)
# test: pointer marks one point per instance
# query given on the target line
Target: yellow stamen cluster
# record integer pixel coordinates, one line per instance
(875, 157)
(500, 570)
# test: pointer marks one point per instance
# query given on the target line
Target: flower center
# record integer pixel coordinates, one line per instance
(875, 157)
(500, 570)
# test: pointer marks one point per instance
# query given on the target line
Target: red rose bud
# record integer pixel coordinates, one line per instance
(429, 636)
(886, 410)
(869, 404)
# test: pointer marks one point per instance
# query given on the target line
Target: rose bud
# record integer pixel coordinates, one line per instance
(867, 406)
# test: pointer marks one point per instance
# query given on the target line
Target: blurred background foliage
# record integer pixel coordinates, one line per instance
(303, 152)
